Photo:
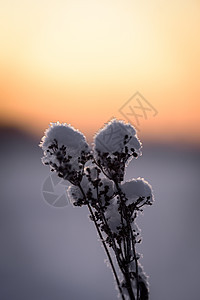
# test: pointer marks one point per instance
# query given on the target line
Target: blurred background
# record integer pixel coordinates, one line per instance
(83, 62)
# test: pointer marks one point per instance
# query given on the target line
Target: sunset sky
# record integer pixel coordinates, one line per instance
(79, 62)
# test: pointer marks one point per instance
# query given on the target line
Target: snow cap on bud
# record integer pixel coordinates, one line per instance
(137, 190)
(65, 150)
(114, 146)
(115, 135)
(65, 135)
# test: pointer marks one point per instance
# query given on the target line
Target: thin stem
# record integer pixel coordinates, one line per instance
(124, 240)
(104, 245)
(110, 232)
(124, 244)
(133, 246)
(102, 169)
(107, 252)
(128, 281)
(136, 263)
(126, 253)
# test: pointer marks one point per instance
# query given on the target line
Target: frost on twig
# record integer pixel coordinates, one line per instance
(97, 180)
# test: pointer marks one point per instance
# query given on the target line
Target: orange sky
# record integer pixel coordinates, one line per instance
(80, 61)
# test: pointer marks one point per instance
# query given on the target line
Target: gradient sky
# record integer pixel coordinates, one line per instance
(80, 61)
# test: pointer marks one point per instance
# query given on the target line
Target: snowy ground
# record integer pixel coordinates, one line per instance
(50, 253)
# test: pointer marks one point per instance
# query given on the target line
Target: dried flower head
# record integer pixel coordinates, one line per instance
(96, 178)
(114, 146)
(137, 191)
(94, 192)
(65, 151)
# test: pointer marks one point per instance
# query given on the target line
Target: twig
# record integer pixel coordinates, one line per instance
(104, 245)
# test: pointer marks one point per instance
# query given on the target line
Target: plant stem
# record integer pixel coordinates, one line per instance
(104, 245)
(100, 209)
(107, 252)
(136, 263)
(126, 244)
(128, 282)
(133, 245)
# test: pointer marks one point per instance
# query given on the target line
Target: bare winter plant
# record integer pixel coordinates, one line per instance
(96, 175)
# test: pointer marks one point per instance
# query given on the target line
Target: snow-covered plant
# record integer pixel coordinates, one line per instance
(96, 175)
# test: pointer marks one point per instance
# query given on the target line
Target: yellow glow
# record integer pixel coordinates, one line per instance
(80, 61)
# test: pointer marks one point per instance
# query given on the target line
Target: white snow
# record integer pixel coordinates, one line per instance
(111, 137)
(136, 188)
(114, 218)
(133, 189)
(75, 193)
(65, 135)
(140, 271)
(112, 215)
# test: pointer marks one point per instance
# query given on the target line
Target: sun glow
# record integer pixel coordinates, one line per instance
(79, 61)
